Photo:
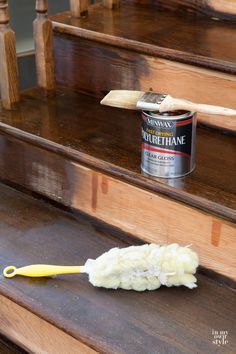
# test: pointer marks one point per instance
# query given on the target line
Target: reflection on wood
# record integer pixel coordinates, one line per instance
(79, 8)
(124, 69)
(78, 127)
(147, 215)
(219, 9)
(69, 311)
(180, 38)
(111, 4)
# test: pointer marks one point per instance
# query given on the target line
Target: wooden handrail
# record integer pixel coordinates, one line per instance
(43, 39)
(9, 82)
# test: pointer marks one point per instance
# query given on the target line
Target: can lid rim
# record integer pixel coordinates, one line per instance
(156, 115)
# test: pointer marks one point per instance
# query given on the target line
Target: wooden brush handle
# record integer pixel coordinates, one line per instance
(174, 104)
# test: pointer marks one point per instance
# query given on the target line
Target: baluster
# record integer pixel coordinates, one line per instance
(9, 82)
(43, 39)
(79, 8)
(111, 4)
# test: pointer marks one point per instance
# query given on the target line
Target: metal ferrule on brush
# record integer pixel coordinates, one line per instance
(150, 101)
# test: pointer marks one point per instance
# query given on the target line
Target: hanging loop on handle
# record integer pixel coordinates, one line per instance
(9, 272)
(41, 270)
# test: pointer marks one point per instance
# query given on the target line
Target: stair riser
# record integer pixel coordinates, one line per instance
(19, 325)
(97, 68)
(147, 215)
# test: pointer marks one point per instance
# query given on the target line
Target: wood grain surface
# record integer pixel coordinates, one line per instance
(146, 215)
(146, 30)
(86, 64)
(55, 172)
(35, 334)
(9, 85)
(176, 320)
(109, 140)
(217, 9)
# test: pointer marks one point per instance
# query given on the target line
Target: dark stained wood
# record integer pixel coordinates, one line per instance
(9, 86)
(8, 347)
(200, 42)
(223, 9)
(108, 139)
(44, 47)
(79, 8)
(83, 64)
(146, 214)
(174, 320)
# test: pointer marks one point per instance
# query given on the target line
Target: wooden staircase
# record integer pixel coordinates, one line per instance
(144, 48)
(67, 314)
(60, 143)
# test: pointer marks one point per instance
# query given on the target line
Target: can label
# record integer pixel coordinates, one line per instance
(168, 144)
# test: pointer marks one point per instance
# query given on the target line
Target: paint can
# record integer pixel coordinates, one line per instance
(168, 143)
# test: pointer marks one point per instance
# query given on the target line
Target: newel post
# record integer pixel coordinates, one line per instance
(79, 8)
(9, 82)
(111, 4)
(43, 39)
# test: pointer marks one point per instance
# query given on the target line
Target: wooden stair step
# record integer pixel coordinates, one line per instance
(211, 9)
(76, 124)
(86, 156)
(72, 315)
(146, 29)
(142, 48)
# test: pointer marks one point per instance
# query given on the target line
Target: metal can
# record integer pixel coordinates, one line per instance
(168, 143)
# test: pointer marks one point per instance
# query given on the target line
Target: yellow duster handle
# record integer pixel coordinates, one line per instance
(40, 270)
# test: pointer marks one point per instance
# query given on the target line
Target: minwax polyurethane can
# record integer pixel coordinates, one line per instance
(168, 143)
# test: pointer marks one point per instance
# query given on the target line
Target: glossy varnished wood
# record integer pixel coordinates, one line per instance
(57, 171)
(96, 68)
(77, 126)
(221, 10)
(111, 4)
(79, 8)
(144, 29)
(174, 320)
(145, 214)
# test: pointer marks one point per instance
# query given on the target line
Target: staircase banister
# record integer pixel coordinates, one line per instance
(43, 39)
(9, 81)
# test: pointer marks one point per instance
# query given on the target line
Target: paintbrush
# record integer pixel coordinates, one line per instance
(151, 101)
(140, 268)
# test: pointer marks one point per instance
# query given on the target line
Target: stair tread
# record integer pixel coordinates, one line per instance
(108, 139)
(175, 320)
(184, 38)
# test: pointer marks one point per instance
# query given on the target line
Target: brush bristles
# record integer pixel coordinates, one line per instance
(145, 267)
(122, 99)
